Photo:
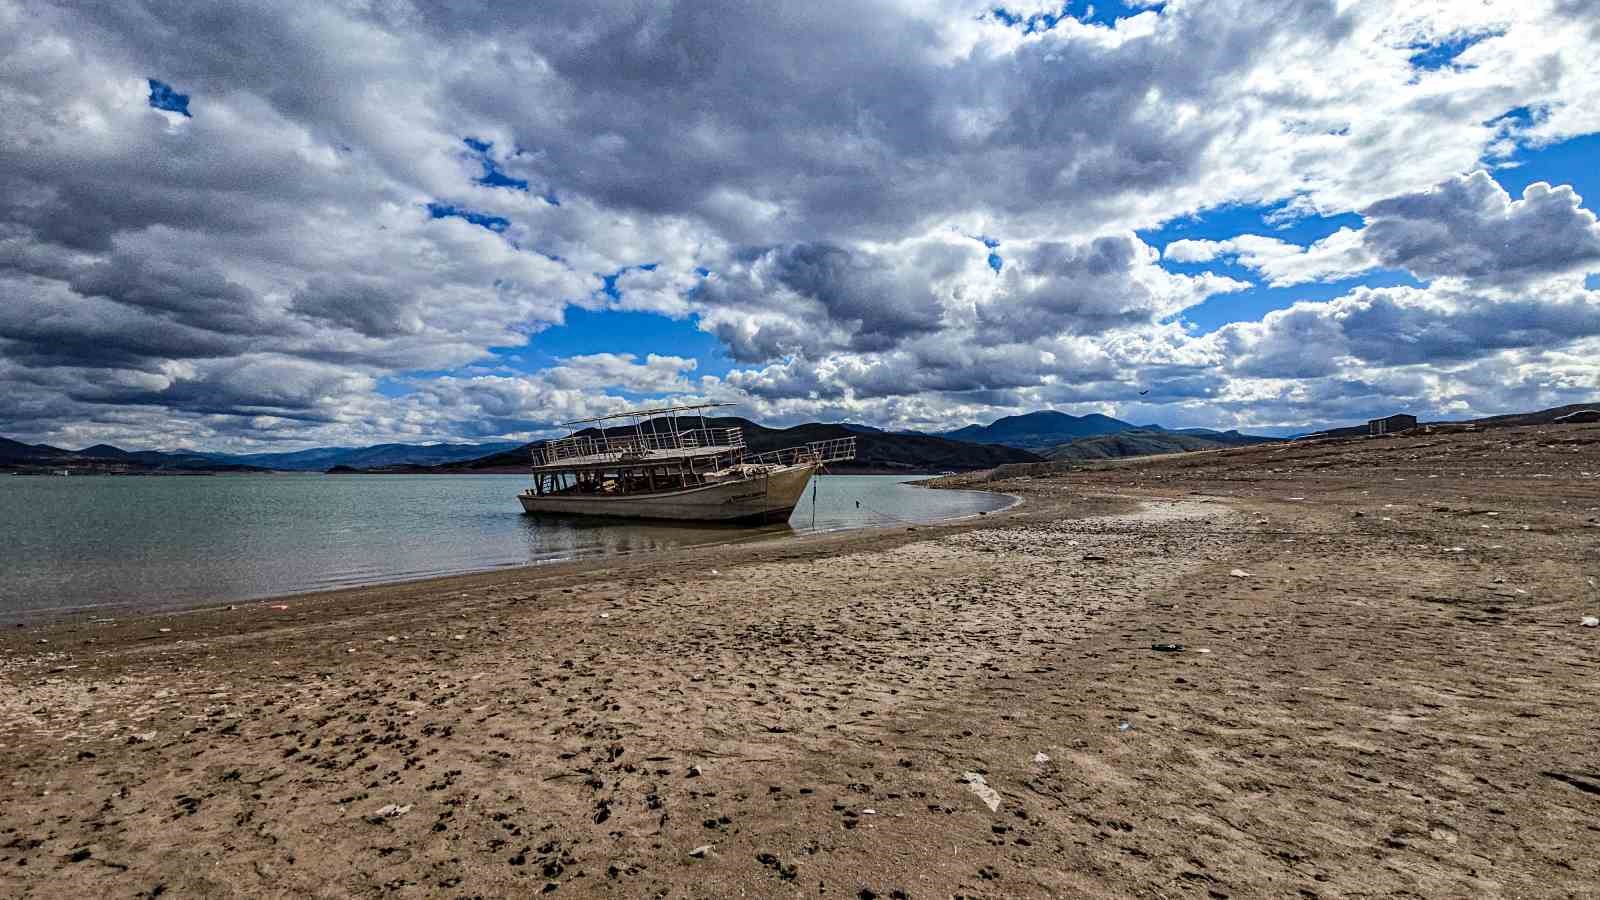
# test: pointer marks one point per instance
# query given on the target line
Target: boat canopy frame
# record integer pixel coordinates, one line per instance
(654, 460)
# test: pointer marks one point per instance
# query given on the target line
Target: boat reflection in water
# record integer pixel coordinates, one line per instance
(553, 537)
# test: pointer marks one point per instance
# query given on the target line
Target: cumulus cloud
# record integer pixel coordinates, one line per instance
(1469, 227)
(1340, 255)
(1086, 288)
(1405, 326)
(1466, 227)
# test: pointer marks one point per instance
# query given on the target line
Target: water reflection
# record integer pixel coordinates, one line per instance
(552, 538)
(160, 543)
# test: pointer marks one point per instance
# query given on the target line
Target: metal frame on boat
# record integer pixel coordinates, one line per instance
(650, 467)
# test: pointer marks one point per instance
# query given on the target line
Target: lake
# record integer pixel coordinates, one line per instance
(157, 543)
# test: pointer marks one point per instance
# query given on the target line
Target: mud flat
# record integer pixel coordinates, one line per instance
(1383, 687)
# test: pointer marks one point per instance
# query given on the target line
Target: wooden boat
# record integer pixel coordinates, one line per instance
(652, 468)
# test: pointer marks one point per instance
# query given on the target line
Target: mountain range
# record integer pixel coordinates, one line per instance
(1030, 437)
(1048, 429)
(320, 459)
(1146, 442)
(876, 451)
(104, 458)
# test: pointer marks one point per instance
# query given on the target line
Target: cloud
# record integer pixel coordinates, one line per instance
(813, 297)
(1469, 227)
(1404, 326)
(1341, 255)
(1109, 282)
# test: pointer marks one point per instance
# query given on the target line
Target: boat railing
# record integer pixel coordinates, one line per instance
(620, 447)
(832, 450)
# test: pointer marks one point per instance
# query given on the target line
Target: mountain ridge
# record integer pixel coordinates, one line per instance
(877, 451)
(1146, 442)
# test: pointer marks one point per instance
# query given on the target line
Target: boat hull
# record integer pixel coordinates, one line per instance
(765, 498)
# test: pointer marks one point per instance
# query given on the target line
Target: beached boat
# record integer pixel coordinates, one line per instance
(649, 467)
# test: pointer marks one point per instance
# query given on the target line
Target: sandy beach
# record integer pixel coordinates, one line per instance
(1380, 686)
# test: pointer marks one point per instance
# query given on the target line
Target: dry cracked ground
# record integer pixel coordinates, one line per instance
(1374, 681)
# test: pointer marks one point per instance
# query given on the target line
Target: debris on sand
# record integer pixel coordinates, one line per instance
(977, 785)
(392, 811)
(1240, 573)
(1167, 648)
(1041, 757)
(1591, 622)
(701, 852)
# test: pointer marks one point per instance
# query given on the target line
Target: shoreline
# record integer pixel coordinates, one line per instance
(1381, 688)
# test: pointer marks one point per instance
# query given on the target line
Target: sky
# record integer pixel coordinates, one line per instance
(242, 226)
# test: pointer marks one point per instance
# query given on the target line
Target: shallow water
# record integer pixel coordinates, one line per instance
(149, 543)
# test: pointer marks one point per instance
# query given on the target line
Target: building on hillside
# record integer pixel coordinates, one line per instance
(1391, 424)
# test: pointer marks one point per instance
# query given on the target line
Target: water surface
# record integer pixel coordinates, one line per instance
(152, 543)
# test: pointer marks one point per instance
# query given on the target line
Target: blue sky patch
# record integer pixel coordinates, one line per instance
(609, 287)
(620, 331)
(1431, 56)
(1569, 162)
(1029, 24)
(495, 224)
(492, 175)
(1105, 12)
(1225, 222)
(163, 96)
(995, 261)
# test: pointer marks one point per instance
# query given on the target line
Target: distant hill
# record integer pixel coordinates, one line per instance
(1039, 430)
(109, 460)
(1509, 420)
(18, 453)
(1232, 437)
(1142, 442)
(318, 459)
(876, 451)
(115, 460)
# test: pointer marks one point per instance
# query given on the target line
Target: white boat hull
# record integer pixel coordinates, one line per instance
(763, 498)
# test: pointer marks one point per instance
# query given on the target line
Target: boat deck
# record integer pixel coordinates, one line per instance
(639, 456)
